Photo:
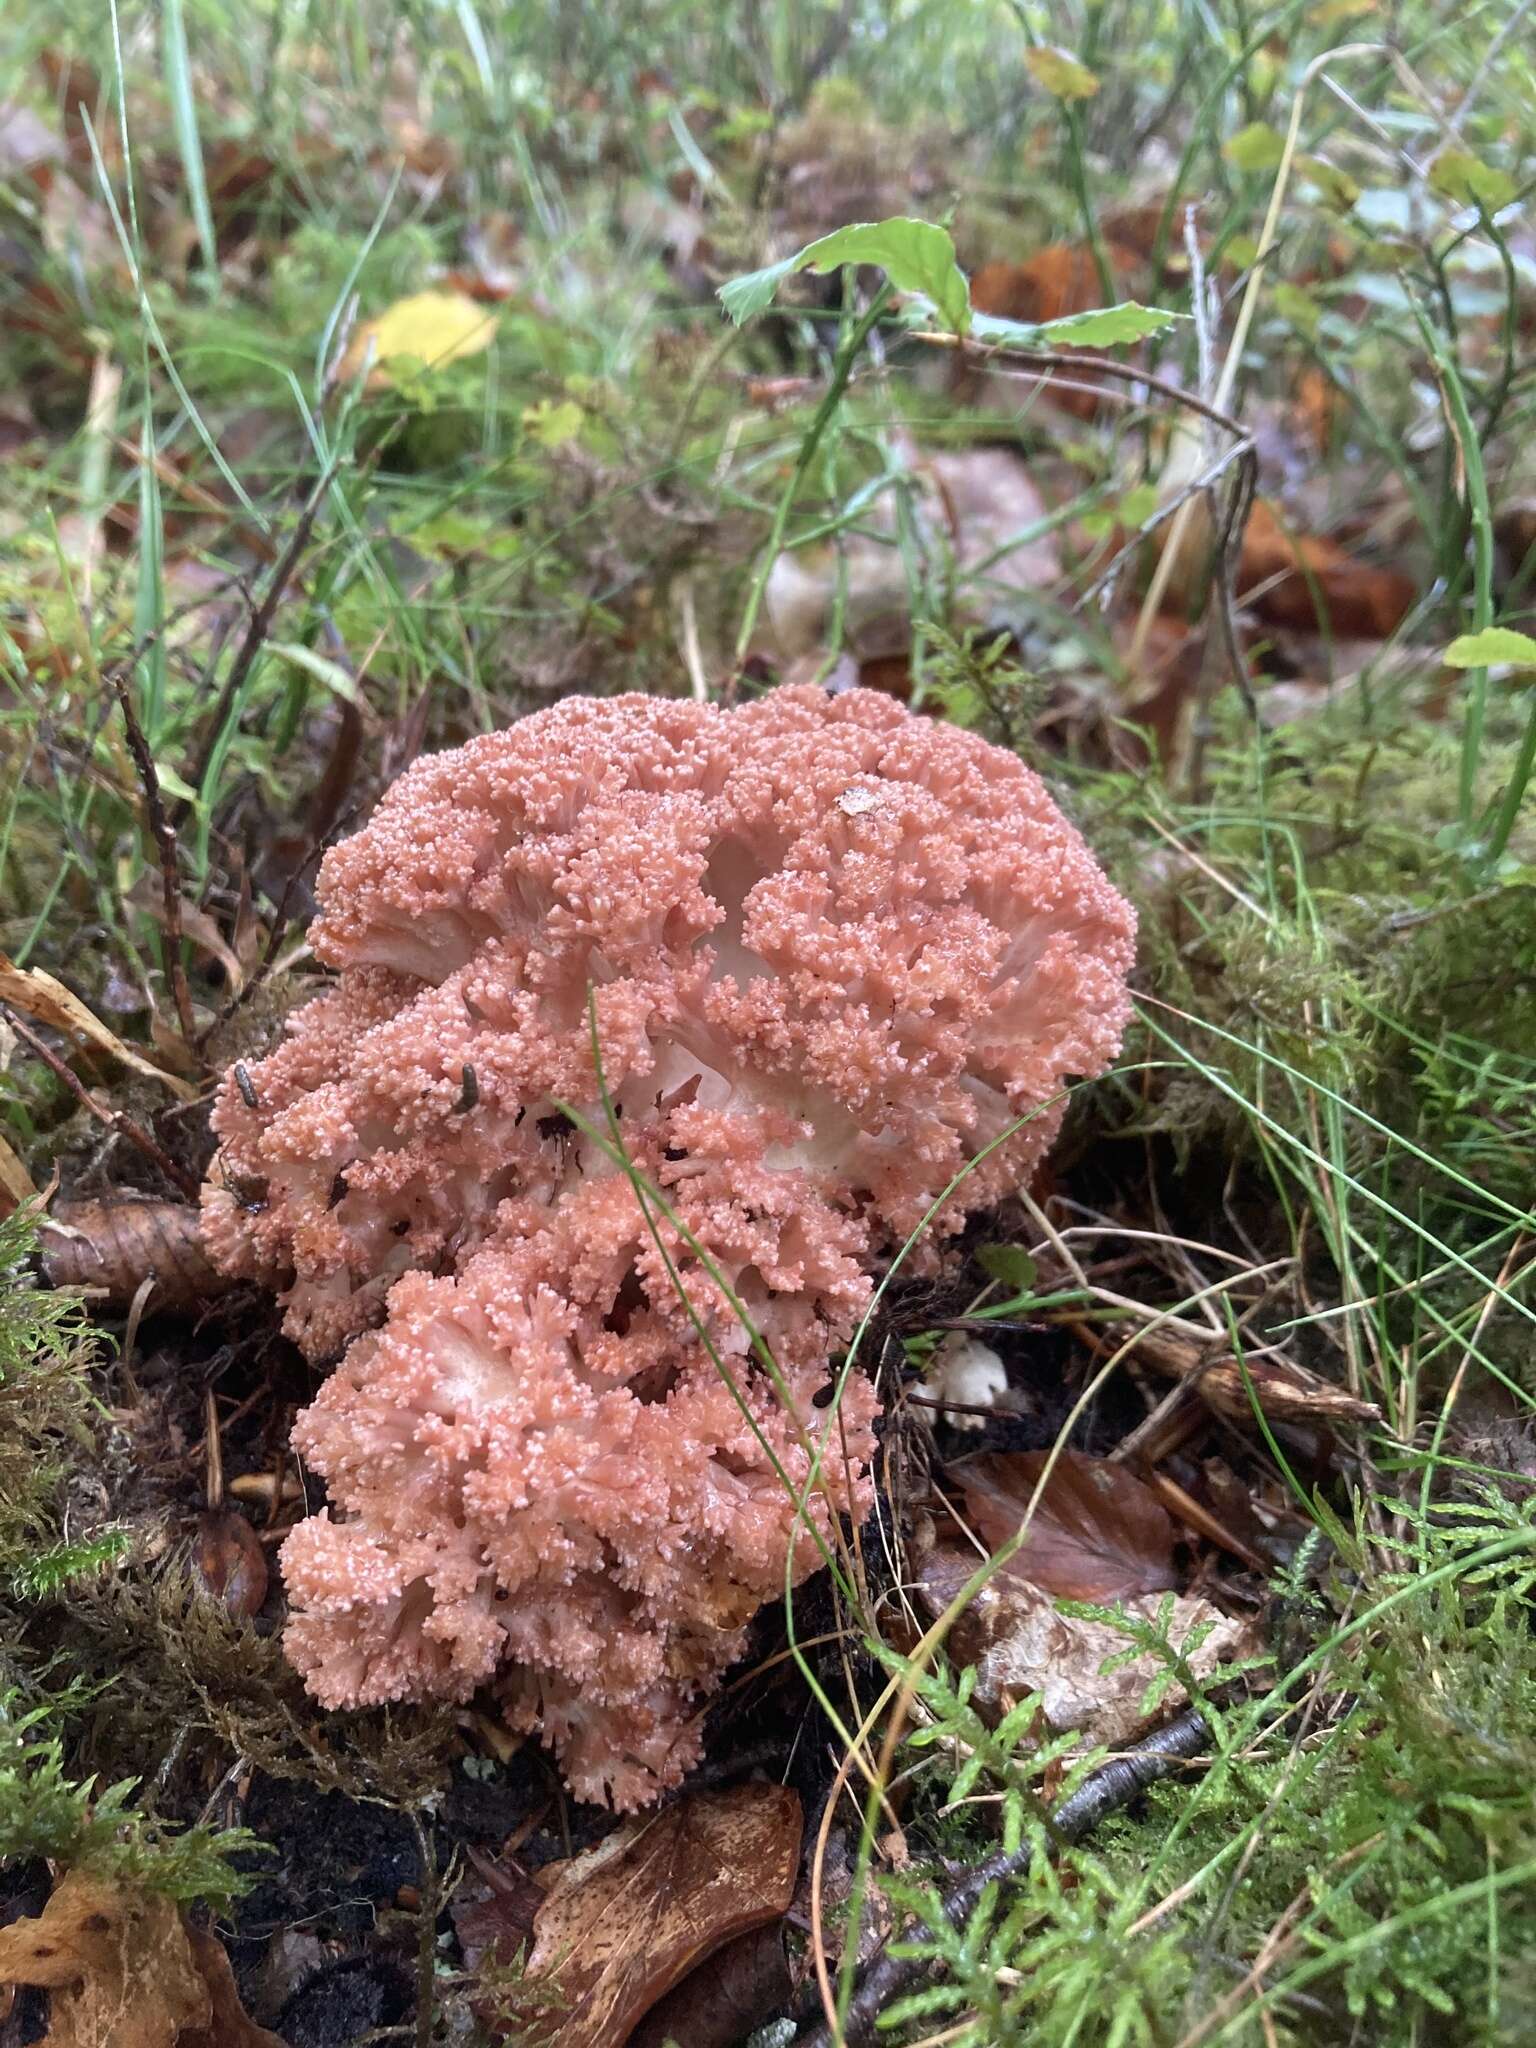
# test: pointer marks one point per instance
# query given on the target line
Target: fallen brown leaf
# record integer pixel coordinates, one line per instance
(626, 1921)
(1097, 1533)
(125, 1970)
(1285, 1393)
(1059, 279)
(38, 995)
(113, 1247)
(1308, 580)
(1019, 1642)
(725, 1999)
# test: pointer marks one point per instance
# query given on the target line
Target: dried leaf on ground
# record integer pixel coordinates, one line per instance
(1020, 1642)
(725, 1999)
(39, 996)
(626, 1921)
(125, 1970)
(1309, 580)
(231, 1564)
(1097, 1533)
(113, 1247)
(16, 1184)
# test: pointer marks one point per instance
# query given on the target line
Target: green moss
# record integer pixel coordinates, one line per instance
(45, 1812)
(1312, 927)
(1378, 1853)
(47, 1409)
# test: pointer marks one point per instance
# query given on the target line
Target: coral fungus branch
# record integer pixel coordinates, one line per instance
(659, 1028)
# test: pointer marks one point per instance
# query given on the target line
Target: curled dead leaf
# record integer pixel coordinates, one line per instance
(1020, 1642)
(725, 1999)
(231, 1564)
(111, 1248)
(1097, 1533)
(625, 1922)
(39, 996)
(125, 1970)
(1306, 580)
(1284, 1392)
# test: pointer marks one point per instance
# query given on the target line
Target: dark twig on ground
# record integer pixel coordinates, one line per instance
(115, 1119)
(1114, 1785)
(170, 867)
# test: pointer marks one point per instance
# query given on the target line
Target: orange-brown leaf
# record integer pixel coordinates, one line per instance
(629, 1919)
(1097, 1533)
(124, 1970)
(231, 1563)
(39, 995)
(1306, 580)
(113, 1247)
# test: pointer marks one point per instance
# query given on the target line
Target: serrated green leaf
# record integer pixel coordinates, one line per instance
(1493, 646)
(1060, 73)
(917, 256)
(1106, 327)
(1258, 147)
(754, 291)
(552, 423)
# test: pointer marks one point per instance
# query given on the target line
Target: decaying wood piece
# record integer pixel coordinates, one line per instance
(1286, 1392)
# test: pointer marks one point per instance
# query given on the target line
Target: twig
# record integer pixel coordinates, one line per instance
(426, 1935)
(274, 944)
(165, 840)
(115, 1119)
(1490, 57)
(1242, 452)
(1052, 359)
(1113, 1786)
(1227, 382)
(258, 629)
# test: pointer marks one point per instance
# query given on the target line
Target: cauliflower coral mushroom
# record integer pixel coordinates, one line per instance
(831, 952)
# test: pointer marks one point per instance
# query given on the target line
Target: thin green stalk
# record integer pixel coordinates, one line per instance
(183, 97)
(1077, 170)
(1514, 792)
(842, 370)
(1475, 491)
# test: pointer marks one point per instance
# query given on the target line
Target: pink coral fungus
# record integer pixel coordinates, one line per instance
(832, 952)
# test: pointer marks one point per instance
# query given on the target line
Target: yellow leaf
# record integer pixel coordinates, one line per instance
(1060, 73)
(426, 330)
